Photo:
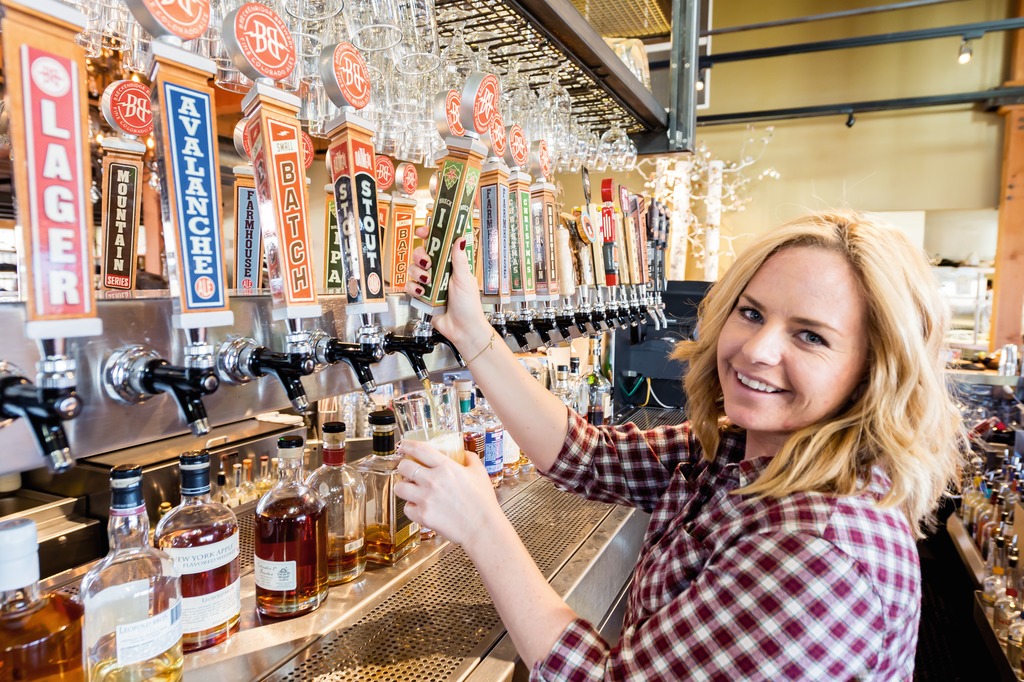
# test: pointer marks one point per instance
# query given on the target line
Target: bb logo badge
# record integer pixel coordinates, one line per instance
(384, 170)
(126, 107)
(410, 179)
(544, 158)
(452, 105)
(352, 75)
(485, 103)
(308, 153)
(497, 135)
(263, 40)
(519, 145)
(187, 19)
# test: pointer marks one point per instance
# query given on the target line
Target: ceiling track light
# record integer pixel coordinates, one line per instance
(966, 51)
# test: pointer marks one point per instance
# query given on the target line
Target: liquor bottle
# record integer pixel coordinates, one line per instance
(1015, 644)
(577, 386)
(236, 485)
(40, 634)
(1007, 608)
(223, 494)
(390, 535)
(561, 389)
(248, 493)
(466, 395)
(132, 597)
(264, 482)
(201, 537)
(994, 585)
(483, 425)
(973, 494)
(599, 390)
(510, 459)
(291, 541)
(342, 490)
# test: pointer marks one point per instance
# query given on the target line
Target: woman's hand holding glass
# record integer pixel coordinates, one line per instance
(454, 499)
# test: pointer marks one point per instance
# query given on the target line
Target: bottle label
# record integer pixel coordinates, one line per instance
(493, 455)
(146, 639)
(192, 560)
(465, 405)
(211, 610)
(353, 545)
(276, 576)
(595, 416)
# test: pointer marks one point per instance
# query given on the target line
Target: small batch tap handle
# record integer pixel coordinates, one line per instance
(289, 368)
(187, 385)
(44, 409)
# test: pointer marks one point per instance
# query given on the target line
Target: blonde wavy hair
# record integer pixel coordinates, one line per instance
(901, 418)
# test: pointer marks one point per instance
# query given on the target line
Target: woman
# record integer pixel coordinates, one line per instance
(784, 513)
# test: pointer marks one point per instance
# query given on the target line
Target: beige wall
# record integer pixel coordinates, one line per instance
(918, 159)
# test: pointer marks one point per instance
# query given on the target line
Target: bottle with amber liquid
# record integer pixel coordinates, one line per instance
(264, 482)
(40, 634)
(291, 541)
(132, 597)
(390, 535)
(201, 537)
(342, 490)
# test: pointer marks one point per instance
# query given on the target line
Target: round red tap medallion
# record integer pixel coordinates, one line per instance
(264, 41)
(485, 103)
(452, 104)
(187, 19)
(352, 75)
(308, 153)
(384, 169)
(519, 145)
(544, 158)
(410, 179)
(125, 105)
(497, 135)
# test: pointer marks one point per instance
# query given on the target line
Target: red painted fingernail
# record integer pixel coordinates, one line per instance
(423, 278)
(462, 245)
(419, 291)
(423, 262)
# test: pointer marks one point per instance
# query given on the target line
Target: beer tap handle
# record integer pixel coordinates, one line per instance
(187, 385)
(289, 368)
(44, 409)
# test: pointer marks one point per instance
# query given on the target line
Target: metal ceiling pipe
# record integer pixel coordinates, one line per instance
(842, 14)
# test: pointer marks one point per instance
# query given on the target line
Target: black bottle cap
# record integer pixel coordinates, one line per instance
(126, 486)
(574, 362)
(195, 472)
(334, 427)
(562, 368)
(285, 442)
(382, 418)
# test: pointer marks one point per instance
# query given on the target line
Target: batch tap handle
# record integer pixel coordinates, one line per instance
(188, 385)
(45, 409)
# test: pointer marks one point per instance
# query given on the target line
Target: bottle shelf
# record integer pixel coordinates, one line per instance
(988, 635)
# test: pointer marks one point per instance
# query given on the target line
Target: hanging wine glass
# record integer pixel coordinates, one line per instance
(457, 61)
(417, 52)
(372, 24)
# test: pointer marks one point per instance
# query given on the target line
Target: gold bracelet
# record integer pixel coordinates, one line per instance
(490, 344)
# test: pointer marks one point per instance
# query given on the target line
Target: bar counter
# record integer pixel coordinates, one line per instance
(429, 616)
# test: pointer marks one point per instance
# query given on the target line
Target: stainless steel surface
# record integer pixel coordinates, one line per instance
(442, 625)
(988, 376)
(31, 504)
(105, 425)
(651, 417)
(123, 372)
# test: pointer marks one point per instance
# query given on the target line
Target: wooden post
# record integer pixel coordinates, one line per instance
(1008, 286)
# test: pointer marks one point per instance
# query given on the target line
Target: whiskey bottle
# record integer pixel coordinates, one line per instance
(483, 425)
(264, 482)
(223, 494)
(40, 634)
(132, 597)
(291, 541)
(599, 389)
(390, 535)
(342, 490)
(201, 537)
(248, 493)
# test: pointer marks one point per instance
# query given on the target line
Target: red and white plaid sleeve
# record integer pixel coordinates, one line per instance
(621, 464)
(780, 605)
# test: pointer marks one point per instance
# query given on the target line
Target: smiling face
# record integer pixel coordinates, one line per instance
(794, 348)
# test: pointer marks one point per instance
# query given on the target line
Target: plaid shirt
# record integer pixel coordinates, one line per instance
(810, 586)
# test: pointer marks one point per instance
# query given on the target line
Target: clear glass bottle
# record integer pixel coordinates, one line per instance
(1015, 644)
(510, 459)
(291, 541)
(237, 477)
(248, 493)
(132, 597)
(264, 482)
(561, 388)
(1007, 609)
(390, 535)
(994, 585)
(223, 494)
(577, 386)
(201, 537)
(483, 425)
(466, 395)
(599, 389)
(342, 490)
(40, 633)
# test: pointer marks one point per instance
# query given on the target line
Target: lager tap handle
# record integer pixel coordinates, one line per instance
(289, 368)
(44, 409)
(188, 385)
